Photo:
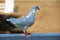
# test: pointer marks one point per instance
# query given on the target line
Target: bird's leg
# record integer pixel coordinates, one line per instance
(25, 29)
(25, 32)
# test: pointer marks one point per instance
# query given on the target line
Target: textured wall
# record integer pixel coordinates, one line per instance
(47, 19)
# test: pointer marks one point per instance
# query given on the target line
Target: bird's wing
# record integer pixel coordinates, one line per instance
(16, 21)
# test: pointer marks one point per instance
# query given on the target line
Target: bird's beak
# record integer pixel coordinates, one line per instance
(38, 8)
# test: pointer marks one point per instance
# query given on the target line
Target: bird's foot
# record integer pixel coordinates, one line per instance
(26, 34)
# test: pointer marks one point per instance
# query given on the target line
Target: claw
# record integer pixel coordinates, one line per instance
(26, 34)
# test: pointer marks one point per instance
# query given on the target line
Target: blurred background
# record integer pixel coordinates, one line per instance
(47, 19)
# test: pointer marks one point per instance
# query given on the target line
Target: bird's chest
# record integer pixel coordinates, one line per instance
(28, 21)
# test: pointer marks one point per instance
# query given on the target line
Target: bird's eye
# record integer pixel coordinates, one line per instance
(36, 7)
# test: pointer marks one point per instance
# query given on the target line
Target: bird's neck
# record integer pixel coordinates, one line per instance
(31, 13)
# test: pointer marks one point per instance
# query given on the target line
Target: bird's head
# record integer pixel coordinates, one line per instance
(36, 7)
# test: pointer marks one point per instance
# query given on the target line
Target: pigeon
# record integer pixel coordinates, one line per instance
(25, 22)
